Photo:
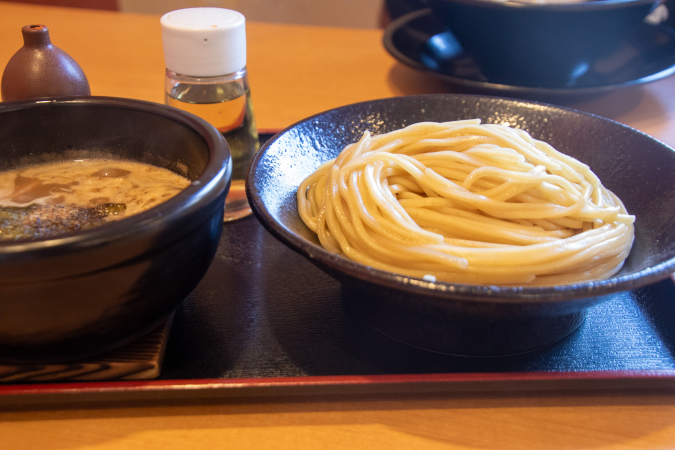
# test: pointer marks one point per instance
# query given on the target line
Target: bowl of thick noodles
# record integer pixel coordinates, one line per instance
(470, 225)
(110, 214)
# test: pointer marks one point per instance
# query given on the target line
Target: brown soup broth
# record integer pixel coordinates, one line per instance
(49, 199)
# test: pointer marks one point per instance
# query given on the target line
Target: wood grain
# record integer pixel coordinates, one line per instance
(297, 71)
(108, 5)
(140, 360)
(607, 422)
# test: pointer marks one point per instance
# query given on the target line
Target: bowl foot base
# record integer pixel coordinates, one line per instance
(139, 360)
(458, 330)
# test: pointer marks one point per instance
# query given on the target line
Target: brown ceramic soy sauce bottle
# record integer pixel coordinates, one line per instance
(39, 69)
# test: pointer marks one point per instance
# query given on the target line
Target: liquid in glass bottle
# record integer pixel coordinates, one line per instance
(200, 45)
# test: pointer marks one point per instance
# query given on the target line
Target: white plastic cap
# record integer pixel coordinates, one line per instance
(204, 42)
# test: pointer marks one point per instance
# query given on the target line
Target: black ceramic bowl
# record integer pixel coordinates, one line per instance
(471, 319)
(539, 44)
(91, 291)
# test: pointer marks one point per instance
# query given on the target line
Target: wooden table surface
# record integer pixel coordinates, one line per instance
(296, 71)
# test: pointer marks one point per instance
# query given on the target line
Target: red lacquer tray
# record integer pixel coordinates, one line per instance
(266, 322)
(202, 389)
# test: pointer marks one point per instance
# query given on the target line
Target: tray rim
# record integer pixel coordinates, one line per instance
(108, 392)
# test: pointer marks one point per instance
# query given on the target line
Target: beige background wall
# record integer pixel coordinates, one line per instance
(342, 13)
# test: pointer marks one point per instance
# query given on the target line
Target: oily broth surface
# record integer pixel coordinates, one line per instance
(91, 182)
(47, 200)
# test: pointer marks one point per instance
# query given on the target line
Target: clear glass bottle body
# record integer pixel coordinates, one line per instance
(224, 102)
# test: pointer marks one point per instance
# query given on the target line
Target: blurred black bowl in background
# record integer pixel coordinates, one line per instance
(540, 44)
(421, 41)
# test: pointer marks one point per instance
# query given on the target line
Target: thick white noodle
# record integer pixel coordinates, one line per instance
(467, 203)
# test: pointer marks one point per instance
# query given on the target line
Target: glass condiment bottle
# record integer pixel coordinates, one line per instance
(205, 56)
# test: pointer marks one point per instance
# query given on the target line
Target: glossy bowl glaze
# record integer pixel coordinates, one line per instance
(91, 291)
(459, 318)
(423, 42)
(539, 44)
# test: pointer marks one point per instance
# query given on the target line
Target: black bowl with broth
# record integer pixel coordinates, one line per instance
(462, 319)
(87, 292)
(540, 44)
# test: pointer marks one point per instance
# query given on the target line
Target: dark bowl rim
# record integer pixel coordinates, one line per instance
(503, 89)
(203, 189)
(572, 7)
(449, 291)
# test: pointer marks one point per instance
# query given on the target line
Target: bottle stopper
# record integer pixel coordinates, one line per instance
(204, 42)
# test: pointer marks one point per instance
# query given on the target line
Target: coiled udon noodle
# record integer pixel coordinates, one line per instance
(469, 203)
